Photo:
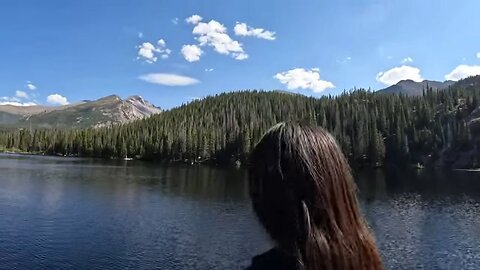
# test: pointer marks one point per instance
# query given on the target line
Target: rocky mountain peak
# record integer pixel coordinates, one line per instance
(97, 113)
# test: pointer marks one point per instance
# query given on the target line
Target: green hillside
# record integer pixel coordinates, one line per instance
(439, 128)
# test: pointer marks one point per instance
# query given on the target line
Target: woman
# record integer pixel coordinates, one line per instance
(304, 195)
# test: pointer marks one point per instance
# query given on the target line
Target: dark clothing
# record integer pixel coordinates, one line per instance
(274, 259)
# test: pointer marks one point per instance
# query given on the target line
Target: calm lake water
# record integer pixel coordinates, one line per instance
(62, 213)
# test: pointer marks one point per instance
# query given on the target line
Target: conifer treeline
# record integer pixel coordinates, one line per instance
(371, 128)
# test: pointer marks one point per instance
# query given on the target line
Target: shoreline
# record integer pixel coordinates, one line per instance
(468, 170)
(209, 162)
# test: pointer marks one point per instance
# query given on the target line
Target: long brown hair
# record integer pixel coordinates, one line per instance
(303, 193)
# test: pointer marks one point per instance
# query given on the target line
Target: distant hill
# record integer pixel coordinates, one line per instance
(438, 129)
(9, 118)
(105, 111)
(470, 82)
(413, 88)
(286, 92)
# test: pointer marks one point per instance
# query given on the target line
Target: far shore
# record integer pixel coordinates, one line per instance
(18, 152)
(468, 170)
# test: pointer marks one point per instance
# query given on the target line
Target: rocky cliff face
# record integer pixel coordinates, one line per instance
(135, 107)
(102, 112)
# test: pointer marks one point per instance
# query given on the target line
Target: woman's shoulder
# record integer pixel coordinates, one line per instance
(273, 259)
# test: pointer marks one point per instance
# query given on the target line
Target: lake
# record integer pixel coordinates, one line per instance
(72, 213)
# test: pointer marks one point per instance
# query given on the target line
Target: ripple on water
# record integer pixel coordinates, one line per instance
(83, 214)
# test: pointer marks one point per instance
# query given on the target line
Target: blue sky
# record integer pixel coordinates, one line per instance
(56, 51)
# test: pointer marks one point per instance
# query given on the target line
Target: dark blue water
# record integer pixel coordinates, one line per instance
(61, 213)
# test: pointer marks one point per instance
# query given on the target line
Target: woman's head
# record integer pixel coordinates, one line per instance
(303, 193)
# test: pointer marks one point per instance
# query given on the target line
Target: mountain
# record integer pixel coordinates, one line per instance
(9, 118)
(470, 82)
(412, 88)
(286, 92)
(102, 112)
(436, 129)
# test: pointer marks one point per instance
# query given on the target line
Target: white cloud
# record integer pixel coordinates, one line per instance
(242, 29)
(396, 74)
(191, 53)
(161, 43)
(31, 86)
(214, 34)
(148, 52)
(162, 48)
(478, 55)
(140, 35)
(21, 94)
(209, 69)
(407, 60)
(175, 20)
(344, 61)
(15, 103)
(57, 99)
(304, 79)
(211, 28)
(10, 99)
(168, 79)
(462, 71)
(241, 56)
(194, 19)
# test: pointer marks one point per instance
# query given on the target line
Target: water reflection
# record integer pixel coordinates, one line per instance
(424, 219)
(67, 213)
(83, 214)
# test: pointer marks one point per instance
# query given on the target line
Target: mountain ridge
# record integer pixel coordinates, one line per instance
(413, 88)
(437, 129)
(97, 113)
(112, 109)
